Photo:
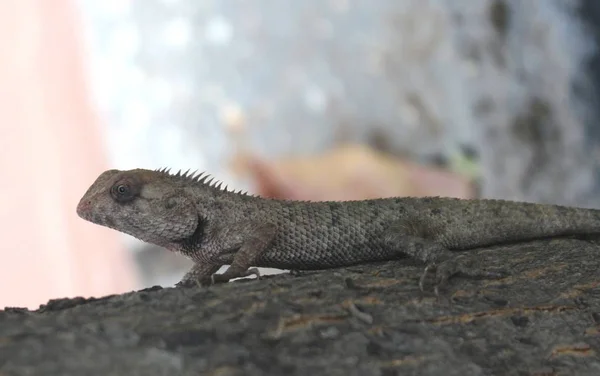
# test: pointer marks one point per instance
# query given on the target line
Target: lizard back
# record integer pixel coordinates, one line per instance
(315, 235)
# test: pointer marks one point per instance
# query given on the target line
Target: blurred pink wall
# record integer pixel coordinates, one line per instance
(51, 150)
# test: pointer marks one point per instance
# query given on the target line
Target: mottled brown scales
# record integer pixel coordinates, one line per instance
(214, 227)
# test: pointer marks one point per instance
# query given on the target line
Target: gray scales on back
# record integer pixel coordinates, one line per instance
(189, 214)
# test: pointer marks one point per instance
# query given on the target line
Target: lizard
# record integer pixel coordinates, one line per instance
(193, 215)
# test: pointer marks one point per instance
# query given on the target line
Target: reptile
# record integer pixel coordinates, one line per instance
(194, 215)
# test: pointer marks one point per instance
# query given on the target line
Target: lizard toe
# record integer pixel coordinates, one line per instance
(463, 266)
(185, 284)
(234, 272)
(445, 270)
(190, 282)
(218, 278)
(429, 269)
(253, 271)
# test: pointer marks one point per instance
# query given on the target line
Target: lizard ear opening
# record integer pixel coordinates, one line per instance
(171, 202)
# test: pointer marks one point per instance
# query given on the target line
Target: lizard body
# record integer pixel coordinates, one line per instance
(185, 213)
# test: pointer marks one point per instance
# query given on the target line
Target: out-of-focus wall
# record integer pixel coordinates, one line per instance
(201, 84)
(504, 80)
(51, 149)
(503, 84)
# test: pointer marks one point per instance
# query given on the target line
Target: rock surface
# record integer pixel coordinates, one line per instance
(544, 319)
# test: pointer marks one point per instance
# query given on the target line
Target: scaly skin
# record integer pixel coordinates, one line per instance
(215, 227)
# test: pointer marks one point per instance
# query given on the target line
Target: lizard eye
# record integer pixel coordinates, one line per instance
(122, 192)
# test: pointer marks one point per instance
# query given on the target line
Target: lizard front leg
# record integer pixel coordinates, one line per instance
(424, 242)
(253, 239)
(199, 274)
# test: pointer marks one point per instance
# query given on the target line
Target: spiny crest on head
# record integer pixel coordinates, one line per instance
(199, 178)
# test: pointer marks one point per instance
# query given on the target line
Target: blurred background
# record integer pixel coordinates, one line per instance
(312, 99)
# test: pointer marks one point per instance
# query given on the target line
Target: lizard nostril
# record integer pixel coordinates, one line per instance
(83, 206)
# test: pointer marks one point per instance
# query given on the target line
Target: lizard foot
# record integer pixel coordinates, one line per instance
(227, 275)
(193, 283)
(185, 283)
(199, 275)
(460, 265)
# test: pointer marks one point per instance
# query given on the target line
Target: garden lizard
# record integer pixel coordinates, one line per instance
(193, 215)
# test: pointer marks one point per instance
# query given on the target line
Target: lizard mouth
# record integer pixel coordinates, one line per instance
(84, 209)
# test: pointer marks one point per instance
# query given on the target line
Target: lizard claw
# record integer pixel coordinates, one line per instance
(191, 283)
(217, 278)
(226, 276)
(424, 276)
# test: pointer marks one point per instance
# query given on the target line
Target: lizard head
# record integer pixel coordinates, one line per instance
(141, 203)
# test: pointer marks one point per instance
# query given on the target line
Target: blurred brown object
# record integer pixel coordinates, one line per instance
(349, 172)
(51, 150)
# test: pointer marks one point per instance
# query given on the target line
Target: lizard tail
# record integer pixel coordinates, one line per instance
(474, 223)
